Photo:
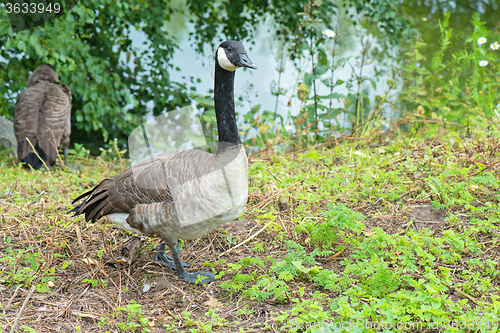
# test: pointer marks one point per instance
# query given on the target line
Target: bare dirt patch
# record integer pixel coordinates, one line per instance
(426, 216)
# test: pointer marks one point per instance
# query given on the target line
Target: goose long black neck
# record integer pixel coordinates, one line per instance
(224, 108)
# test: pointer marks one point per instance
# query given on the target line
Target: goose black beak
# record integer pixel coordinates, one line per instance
(246, 62)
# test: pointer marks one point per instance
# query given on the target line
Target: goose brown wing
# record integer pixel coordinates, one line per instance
(54, 120)
(145, 183)
(65, 117)
(42, 115)
(28, 106)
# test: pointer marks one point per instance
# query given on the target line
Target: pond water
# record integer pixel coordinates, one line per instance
(254, 86)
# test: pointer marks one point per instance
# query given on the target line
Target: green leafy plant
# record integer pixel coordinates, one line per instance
(28, 329)
(79, 151)
(128, 318)
(26, 267)
(458, 86)
(94, 282)
(305, 316)
(209, 322)
(339, 223)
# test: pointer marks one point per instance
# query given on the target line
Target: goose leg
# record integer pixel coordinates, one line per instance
(194, 277)
(161, 258)
(66, 157)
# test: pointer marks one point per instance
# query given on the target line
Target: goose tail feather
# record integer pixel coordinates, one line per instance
(96, 204)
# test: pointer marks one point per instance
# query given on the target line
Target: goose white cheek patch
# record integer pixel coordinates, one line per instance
(224, 61)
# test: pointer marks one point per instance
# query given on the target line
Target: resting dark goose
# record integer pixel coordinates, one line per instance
(42, 115)
(186, 193)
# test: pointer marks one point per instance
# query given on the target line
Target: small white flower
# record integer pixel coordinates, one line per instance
(329, 33)
(481, 40)
(288, 127)
(498, 106)
(483, 63)
(495, 46)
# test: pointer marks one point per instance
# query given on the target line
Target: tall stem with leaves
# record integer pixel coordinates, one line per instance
(365, 46)
(280, 67)
(334, 51)
(277, 94)
(311, 39)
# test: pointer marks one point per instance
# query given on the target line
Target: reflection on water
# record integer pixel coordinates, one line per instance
(427, 14)
(255, 87)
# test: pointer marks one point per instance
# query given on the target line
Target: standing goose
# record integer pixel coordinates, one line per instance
(186, 193)
(42, 116)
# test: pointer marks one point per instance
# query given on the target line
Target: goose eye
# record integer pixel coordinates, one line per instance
(229, 49)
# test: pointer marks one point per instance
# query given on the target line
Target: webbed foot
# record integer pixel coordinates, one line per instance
(164, 260)
(200, 277)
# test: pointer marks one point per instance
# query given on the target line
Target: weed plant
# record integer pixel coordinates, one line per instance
(456, 85)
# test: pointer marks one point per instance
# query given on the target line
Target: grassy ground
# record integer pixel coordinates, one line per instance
(396, 233)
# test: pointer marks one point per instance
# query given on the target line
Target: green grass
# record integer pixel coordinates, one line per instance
(399, 230)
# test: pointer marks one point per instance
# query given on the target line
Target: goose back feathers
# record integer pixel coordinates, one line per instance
(42, 115)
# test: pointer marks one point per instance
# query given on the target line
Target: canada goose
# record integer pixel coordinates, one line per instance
(186, 193)
(42, 116)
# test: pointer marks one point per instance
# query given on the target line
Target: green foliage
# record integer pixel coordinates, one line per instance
(85, 46)
(317, 47)
(79, 151)
(255, 286)
(389, 275)
(7, 156)
(323, 263)
(267, 287)
(112, 150)
(390, 267)
(292, 264)
(305, 316)
(454, 86)
(208, 323)
(28, 329)
(26, 267)
(425, 19)
(340, 222)
(92, 51)
(259, 247)
(94, 282)
(128, 318)
(226, 17)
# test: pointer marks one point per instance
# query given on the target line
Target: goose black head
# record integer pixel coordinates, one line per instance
(231, 55)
